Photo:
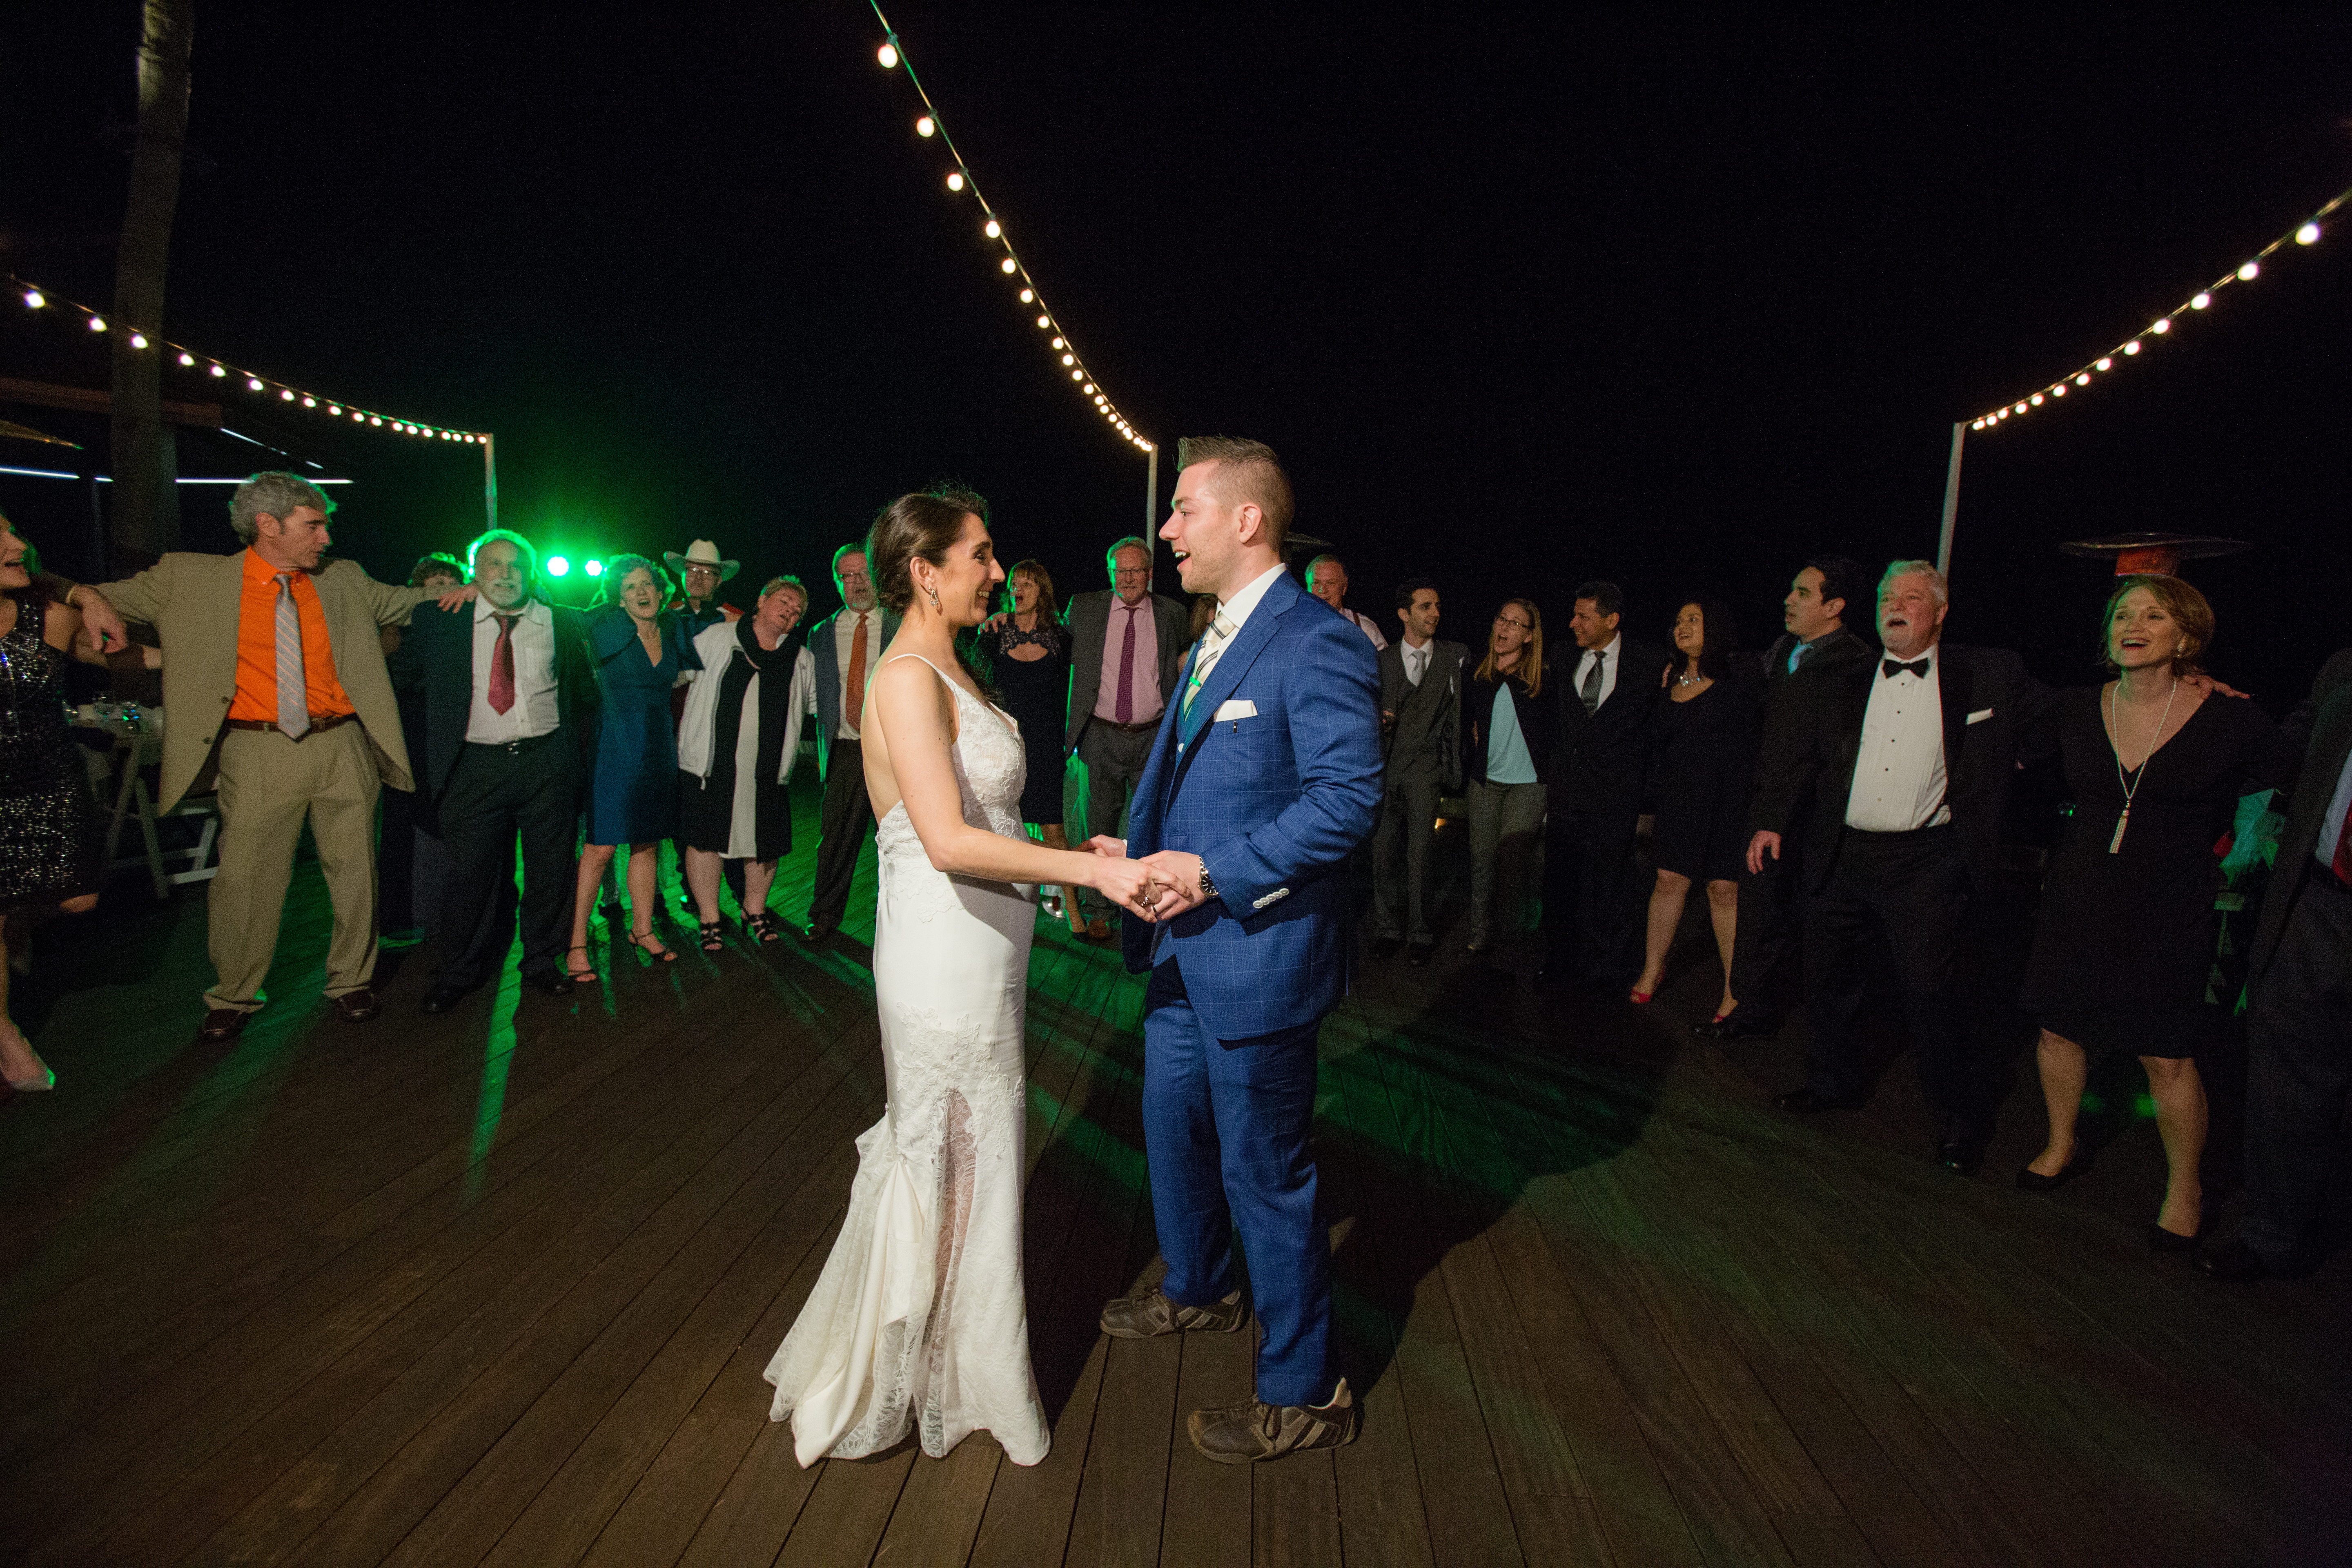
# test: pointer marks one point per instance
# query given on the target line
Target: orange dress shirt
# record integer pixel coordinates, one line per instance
(257, 648)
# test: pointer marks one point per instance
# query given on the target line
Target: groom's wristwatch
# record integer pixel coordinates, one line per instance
(1208, 888)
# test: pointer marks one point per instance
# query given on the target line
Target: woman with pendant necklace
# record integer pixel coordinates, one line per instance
(2156, 758)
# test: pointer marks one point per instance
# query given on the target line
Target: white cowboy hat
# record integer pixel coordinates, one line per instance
(701, 553)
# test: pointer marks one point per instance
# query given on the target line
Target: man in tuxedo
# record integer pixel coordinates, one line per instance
(1125, 643)
(274, 676)
(846, 643)
(1592, 906)
(2299, 1020)
(1263, 777)
(1421, 723)
(1906, 760)
(508, 698)
(1763, 944)
(1327, 579)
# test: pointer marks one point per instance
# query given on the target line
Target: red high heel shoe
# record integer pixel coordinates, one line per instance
(1639, 998)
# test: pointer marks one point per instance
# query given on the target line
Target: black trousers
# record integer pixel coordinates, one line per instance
(497, 797)
(2298, 1071)
(842, 823)
(1400, 847)
(1591, 903)
(395, 862)
(1765, 976)
(1912, 889)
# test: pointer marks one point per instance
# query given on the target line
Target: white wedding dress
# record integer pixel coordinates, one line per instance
(919, 1317)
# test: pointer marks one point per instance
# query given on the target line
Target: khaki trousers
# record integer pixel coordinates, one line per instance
(268, 786)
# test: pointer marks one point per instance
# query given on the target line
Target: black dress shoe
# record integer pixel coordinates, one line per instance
(2029, 1180)
(441, 998)
(1805, 1102)
(549, 983)
(1385, 948)
(1419, 952)
(1961, 1155)
(2234, 1261)
(1740, 1025)
(358, 1006)
(815, 935)
(223, 1025)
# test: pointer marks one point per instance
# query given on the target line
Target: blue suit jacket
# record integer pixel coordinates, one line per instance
(1273, 803)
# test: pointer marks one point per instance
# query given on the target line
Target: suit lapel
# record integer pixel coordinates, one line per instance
(1953, 685)
(1235, 662)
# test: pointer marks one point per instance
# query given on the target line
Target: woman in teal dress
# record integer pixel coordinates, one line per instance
(640, 650)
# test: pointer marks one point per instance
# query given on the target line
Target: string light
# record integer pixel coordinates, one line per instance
(892, 56)
(36, 298)
(2306, 233)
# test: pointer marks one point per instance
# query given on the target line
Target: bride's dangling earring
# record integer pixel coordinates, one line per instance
(934, 592)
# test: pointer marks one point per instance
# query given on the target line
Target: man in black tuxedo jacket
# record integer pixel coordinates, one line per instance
(509, 700)
(1907, 761)
(2299, 1023)
(1592, 906)
(1420, 729)
(1764, 942)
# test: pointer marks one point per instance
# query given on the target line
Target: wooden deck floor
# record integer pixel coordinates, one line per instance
(498, 1287)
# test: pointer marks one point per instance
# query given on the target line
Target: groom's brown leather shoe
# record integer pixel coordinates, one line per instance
(1152, 1314)
(1245, 1432)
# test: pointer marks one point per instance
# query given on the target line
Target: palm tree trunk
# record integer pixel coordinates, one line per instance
(146, 505)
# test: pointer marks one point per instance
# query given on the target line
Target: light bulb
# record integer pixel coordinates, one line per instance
(2132, 347)
(2106, 364)
(309, 403)
(955, 180)
(98, 323)
(2035, 400)
(218, 371)
(2020, 408)
(995, 229)
(252, 384)
(1044, 320)
(2201, 300)
(925, 126)
(594, 567)
(1069, 359)
(1060, 345)
(33, 298)
(1009, 265)
(1978, 425)
(138, 339)
(2163, 326)
(332, 409)
(1090, 389)
(187, 359)
(1028, 296)
(1078, 375)
(561, 566)
(2059, 390)
(2247, 273)
(375, 420)
(2307, 235)
(2082, 381)
(887, 58)
(285, 397)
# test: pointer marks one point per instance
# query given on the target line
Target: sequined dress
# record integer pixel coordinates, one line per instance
(51, 832)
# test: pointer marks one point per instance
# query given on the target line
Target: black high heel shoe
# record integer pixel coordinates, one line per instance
(2162, 1241)
(2029, 1180)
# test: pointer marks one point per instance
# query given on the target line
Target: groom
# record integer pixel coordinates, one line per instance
(1265, 773)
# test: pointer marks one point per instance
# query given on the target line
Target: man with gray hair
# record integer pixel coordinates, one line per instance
(1327, 579)
(275, 681)
(1126, 642)
(1907, 759)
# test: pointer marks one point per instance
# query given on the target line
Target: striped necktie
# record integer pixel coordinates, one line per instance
(293, 691)
(1212, 647)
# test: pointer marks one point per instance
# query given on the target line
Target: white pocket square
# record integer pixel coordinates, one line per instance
(1980, 715)
(1238, 708)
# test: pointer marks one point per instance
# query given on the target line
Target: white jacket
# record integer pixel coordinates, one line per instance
(719, 649)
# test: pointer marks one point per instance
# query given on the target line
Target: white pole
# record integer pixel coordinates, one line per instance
(1952, 498)
(1151, 491)
(490, 479)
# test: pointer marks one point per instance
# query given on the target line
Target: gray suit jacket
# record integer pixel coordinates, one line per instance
(1426, 739)
(2323, 727)
(1089, 623)
(828, 675)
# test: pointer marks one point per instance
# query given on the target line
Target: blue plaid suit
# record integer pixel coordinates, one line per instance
(1273, 803)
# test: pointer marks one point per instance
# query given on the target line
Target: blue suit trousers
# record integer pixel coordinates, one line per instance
(1227, 1126)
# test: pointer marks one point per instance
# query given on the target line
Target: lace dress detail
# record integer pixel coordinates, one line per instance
(919, 1319)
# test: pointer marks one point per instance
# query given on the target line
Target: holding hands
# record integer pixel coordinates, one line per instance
(1159, 887)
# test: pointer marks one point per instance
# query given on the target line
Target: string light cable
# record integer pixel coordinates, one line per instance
(892, 56)
(2306, 233)
(35, 297)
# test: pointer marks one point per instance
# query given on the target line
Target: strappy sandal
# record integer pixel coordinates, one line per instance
(763, 928)
(638, 939)
(585, 972)
(712, 934)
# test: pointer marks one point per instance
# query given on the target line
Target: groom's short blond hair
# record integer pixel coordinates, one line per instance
(1250, 474)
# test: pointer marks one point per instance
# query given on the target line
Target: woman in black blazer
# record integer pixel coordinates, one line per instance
(1507, 737)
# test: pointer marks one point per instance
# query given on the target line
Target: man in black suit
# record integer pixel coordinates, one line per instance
(2299, 1023)
(847, 644)
(1592, 914)
(1126, 642)
(1421, 720)
(508, 696)
(1763, 944)
(1907, 761)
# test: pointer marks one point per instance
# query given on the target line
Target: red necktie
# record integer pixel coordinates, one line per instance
(857, 675)
(502, 664)
(1124, 709)
(2343, 865)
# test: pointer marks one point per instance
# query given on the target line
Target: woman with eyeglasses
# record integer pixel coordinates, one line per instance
(1506, 736)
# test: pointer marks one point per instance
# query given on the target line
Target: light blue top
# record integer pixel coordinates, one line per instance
(1507, 762)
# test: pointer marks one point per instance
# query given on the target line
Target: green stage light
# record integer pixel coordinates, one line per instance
(594, 567)
(557, 565)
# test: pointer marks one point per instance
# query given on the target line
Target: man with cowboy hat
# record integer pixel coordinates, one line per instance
(699, 572)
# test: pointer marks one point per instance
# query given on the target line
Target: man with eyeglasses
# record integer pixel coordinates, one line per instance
(1126, 642)
(848, 643)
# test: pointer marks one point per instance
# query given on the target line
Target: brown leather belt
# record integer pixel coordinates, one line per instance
(1146, 727)
(318, 722)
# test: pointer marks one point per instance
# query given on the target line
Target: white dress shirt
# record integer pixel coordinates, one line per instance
(1611, 654)
(1369, 627)
(1898, 773)
(534, 710)
(1416, 660)
(845, 628)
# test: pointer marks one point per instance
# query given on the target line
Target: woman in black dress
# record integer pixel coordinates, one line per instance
(1027, 652)
(51, 831)
(2126, 939)
(1702, 771)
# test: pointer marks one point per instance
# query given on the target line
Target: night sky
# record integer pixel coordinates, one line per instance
(1674, 298)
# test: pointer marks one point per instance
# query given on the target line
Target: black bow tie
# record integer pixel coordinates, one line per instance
(1893, 667)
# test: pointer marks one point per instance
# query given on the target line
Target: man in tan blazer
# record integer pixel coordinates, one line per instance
(274, 693)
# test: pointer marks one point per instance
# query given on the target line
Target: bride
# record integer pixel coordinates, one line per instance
(919, 1318)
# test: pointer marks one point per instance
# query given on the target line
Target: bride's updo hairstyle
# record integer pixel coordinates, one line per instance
(925, 525)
